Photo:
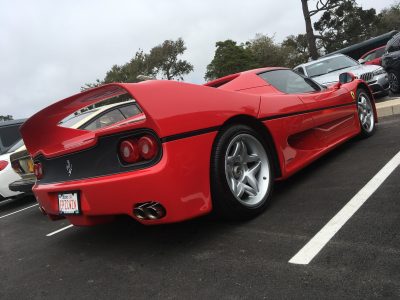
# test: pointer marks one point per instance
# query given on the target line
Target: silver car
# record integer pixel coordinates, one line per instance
(326, 71)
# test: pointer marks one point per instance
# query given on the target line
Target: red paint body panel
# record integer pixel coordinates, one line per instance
(165, 104)
(303, 127)
(183, 189)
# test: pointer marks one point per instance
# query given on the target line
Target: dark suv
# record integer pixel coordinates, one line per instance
(391, 62)
(9, 134)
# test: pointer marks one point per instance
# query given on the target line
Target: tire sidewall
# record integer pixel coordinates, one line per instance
(224, 202)
(365, 133)
(397, 74)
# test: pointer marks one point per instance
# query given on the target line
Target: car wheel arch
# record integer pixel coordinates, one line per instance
(262, 130)
(365, 87)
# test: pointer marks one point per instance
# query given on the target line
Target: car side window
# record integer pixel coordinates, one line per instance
(380, 52)
(290, 82)
(370, 56)
(105, 120)
(130, 110)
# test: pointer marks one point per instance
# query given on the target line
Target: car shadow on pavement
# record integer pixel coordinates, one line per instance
(308, 172)
(126, 237)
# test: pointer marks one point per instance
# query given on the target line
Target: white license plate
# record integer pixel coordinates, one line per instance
(68, 203)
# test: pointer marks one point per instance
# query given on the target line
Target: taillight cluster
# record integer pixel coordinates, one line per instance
(3, 164)
(138, 149)
(38, 170)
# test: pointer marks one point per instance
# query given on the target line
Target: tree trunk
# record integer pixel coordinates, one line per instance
(312, 47)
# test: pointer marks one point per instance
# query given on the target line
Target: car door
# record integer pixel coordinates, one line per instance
(334, 113)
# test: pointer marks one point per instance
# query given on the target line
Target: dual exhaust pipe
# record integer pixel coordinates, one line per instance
(149, 211)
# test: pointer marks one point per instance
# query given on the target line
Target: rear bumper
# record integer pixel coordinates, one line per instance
(179, 181)
(22, 185)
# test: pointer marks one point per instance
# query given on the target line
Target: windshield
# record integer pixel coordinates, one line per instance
(330, 65)
(77, 117)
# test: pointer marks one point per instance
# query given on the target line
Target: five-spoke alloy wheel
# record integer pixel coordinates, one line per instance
(247, 169)
(365, 113)
(241, 173)
(394, 81)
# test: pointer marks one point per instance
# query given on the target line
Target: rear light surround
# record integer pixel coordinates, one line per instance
(141, 149)
(102, 159)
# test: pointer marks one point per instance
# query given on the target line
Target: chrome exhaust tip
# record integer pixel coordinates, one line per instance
(139, 213)
(149, 211)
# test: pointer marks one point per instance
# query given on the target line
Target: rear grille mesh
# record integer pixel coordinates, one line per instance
(367, 76)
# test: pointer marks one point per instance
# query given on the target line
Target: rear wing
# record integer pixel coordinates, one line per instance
(169, 108)
(43, 127)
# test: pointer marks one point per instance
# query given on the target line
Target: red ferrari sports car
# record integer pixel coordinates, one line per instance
(190, 149)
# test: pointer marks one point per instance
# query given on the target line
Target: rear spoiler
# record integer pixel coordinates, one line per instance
(170, 108)
(43, 127)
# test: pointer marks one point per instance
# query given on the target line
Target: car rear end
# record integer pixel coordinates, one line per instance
(90, 177)
(23, 165)
(7, 176)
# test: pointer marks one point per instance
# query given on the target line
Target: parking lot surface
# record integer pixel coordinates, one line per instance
(205, 258)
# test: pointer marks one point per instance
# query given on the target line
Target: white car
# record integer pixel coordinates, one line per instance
(7, 174)
(326, 71)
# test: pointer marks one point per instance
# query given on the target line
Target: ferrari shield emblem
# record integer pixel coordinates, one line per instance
(353, 95)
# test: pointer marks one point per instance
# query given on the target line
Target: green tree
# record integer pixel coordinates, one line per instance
(295, 49)
(6, 118)
(265, 52)
(261, 51)
(389, 19)
(165, 61)
(346, 25)
(320, 6)
(229, 58)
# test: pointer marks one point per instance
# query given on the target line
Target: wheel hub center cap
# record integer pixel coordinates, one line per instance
(237, 171)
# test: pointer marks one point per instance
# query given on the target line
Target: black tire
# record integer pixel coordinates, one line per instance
(394, 79)
(366, 131)
(225, 203)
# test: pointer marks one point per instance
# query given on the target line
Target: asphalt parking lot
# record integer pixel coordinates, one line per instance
(205, 258)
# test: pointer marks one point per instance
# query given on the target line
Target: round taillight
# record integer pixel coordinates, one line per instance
(148, 147)
(38, 170)
(3, 164)
(129, 151)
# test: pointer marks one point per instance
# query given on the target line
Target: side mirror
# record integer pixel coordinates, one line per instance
(362, 61)
(346, 78)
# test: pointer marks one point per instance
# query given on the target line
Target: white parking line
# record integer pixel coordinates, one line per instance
(1, 217)
(59, 230)
(315, 245)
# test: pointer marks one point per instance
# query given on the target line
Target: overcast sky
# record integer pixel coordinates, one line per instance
(49, 49)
